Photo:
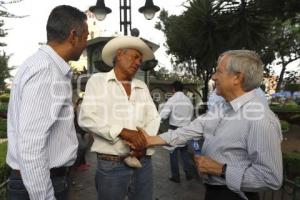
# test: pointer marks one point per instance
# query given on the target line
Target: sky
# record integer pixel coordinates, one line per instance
(25, 34)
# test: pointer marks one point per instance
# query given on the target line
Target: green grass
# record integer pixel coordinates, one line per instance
(3, 150)
(3, 166)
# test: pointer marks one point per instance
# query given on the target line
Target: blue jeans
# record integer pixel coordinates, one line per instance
(174, 162)
(115, 180)
(17, 190)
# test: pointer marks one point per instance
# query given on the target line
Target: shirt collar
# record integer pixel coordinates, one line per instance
(62, 64)
(111, 76)
(237, 103)
(179, 92)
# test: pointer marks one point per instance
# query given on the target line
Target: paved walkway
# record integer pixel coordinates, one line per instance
(84, 188)
(163, 189)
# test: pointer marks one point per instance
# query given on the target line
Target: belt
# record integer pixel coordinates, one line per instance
(109, 157)
(172, 127)
(54, 172)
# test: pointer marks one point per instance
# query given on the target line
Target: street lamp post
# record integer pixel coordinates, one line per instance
(149, 9)
(125, 15)
(100, 11)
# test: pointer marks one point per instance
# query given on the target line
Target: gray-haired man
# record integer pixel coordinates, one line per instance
(242, 148)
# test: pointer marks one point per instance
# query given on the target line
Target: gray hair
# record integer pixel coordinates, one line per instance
(249, 64)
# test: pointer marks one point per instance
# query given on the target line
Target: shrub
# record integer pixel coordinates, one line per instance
(4, 98)
(3, 135)
(3, 107)
(291, 162)
(289, 106)
(3, 128)
(285, 126)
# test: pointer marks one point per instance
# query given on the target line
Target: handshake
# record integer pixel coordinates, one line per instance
(137, 140)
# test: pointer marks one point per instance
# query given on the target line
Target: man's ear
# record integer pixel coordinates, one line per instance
(239, 78)
(72, 37)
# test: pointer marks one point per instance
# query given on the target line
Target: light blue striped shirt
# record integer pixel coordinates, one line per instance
(244, 134)
(41, 133)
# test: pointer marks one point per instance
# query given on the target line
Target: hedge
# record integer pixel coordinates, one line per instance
(3, 128)
(291, 162)
(4, 98)
(3, 106)
(289, 107)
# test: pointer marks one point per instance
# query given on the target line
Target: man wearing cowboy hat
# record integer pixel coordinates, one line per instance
(114, 107)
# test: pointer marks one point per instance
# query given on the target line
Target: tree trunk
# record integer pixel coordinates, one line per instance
(278, 86)
(205, 93)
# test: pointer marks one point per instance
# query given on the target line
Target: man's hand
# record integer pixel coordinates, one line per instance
(135, 139)
(207, 165)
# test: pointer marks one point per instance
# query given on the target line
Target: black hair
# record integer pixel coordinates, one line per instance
(62, 20)
(177, 85)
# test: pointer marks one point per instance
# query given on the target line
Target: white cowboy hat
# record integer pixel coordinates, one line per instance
(125, 42)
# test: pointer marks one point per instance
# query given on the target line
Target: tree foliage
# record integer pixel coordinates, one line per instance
(4, 69)
(285, 45)
(208, 27)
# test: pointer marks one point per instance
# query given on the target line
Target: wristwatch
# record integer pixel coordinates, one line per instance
(223, 173)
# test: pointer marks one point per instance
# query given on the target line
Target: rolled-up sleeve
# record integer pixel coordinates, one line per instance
(264, 149)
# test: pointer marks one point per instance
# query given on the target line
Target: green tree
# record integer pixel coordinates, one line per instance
(292, 87)
(209, 27)
(4, 69)
(285, 44)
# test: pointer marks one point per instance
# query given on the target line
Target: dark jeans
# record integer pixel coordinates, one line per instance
(17, 190)
(115, 180)
(82, 149)
(174, 162)
(222, 192)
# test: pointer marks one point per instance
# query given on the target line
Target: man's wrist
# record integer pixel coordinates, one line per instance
(155, 141)
(223, 172)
